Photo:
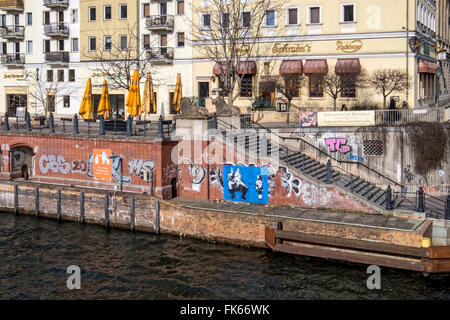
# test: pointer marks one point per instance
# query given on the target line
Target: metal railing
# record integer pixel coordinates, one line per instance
(12, 59)
(402, 116)
(57, 56)
(12, 32)
(165, 22)
(56, 3)
(160, 54)
(59, 28)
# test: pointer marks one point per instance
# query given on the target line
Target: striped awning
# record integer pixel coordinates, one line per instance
(247, 67)
(291, 66)
(316, 66)
(426, 67)
(348, 65)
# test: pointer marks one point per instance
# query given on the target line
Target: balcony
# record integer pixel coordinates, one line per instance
(160, 23)
(59, 29)
(12, 32)
(11, 5)
(12, 59)
(56, 4)
(160, 55)
(57, 57)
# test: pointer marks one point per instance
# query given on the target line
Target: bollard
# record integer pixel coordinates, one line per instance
(36, 201)
(16, 199)
(132, 214)
(51, 122)
(279, 227)
(58, 205)
(102, 126)
(447, 208)
(17, 123)
(389, 198)
(160, 127)
(129, 125)
(28, 121)
(82, 219)
(157, 217)
(329, 171)
(75, 124)
(6, 124)
(106, 211)
(421, 202)
(215, 121)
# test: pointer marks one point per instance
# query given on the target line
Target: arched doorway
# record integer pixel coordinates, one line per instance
(173, 183)
(22, 161)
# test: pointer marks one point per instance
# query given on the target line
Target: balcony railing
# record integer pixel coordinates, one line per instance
(162, 54)
(57, 57)
(59, 29)
(160, 22)
(11, 5)
(12, 59)
(56, 4)
(12, 32)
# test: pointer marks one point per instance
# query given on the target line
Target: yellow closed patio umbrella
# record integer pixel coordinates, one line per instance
(104, 107)
(177, 94)
(134, 96)
(149, 103)
(86, 108)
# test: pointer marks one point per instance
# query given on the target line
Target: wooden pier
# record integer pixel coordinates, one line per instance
(434, 259)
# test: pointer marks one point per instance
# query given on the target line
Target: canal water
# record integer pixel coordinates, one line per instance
(116, 264)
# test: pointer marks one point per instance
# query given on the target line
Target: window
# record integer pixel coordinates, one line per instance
(92, 44)
(107, 43)
(316, 85)
(71, 75)
(3, 20)
(29, 19)
(60, 75)
(3, 48)
(146, 10)
(270, 18)
(123, 11)
(348, 12)
(75, 45)
(246, 19)
(180, 7)
(180, 39)
(66, 101)
(29, 47)
(61, 45)
(206, 21)
(46, 46)
(74, 15)
(348, 89)
(49, 75)
(123, 42)
(225, 20)
(292, 16)
(146, 41)
(246, 85)
(314, 15)
(92, 14)
(46, 17)
(107, 13)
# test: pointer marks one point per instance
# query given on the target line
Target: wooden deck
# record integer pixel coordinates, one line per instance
(435, 259)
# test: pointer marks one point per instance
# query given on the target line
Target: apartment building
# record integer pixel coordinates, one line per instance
(315, 38)
(443, 51)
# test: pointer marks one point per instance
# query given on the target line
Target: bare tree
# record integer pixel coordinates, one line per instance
(226, 32)
(120, 59)
(41, 90)
(387, 81)
(288, 85)
(337, 83)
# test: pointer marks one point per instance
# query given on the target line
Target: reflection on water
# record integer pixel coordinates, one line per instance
(35, 253)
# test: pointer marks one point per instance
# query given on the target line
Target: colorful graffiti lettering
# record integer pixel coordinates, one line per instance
(355, 157)
(338, 145)
(79, 166)
(56, 164)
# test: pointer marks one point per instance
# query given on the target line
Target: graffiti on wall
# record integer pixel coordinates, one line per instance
(171, 171)
(56, 164)
(246, 183)
(355, 157)
(290, 184)
(138, 167)
(338, 145)
(197, 172)
(216, 177)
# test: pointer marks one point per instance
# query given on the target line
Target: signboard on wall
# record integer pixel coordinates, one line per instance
(346, 118)
(102, 164)
(246, 184)
(308, 119)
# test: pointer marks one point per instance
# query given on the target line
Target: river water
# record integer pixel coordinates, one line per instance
(116, 264)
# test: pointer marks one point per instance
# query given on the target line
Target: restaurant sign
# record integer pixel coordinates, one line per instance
(302, 47)
(346, 118)
(349, 46)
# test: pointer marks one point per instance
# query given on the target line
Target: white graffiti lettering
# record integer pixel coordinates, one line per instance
(56, 164)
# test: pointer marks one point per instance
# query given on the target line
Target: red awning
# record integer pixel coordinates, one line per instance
(316, 66)
(291, 66)
(348, 65)
(426, 67)
(248, 67)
